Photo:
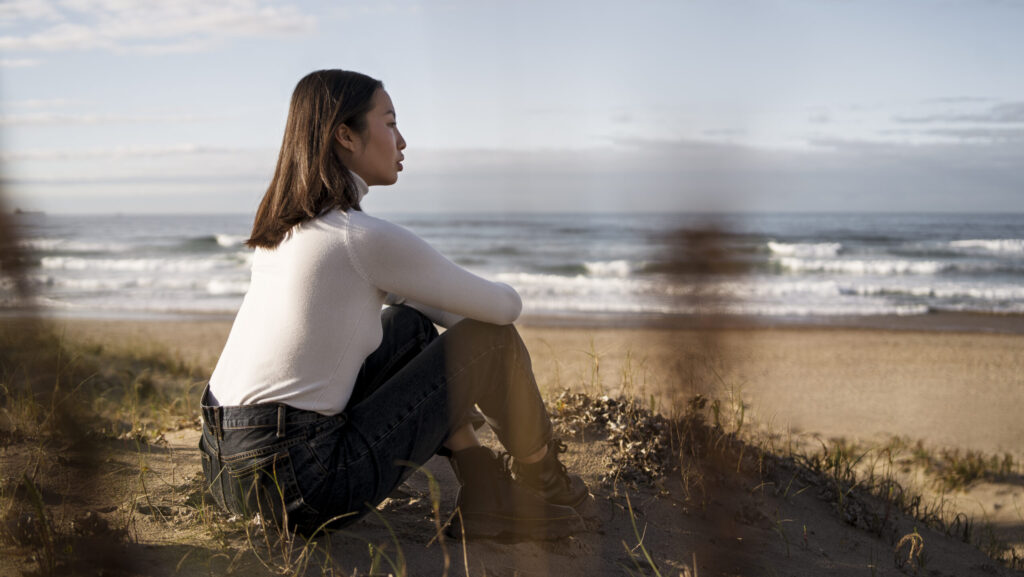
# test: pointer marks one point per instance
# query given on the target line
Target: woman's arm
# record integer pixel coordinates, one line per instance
(397, 261)
(437, 316)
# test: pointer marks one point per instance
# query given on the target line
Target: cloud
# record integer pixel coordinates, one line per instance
(957, 100)
(133, 169)
(724, 132)
(695, 175)
(1005, 113)
(986, 134)
(17, 11)
(117, 152)
(977, 134)
(863, 145)
(148, 25)
(42, 118)
(80, 181)
(19, 62)
(635, 175)
(961, 165)
(37, 103)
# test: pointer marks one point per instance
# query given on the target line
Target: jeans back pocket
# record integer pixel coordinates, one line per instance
(266, 484)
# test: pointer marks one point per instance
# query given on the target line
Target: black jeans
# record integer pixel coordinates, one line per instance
(302, 469)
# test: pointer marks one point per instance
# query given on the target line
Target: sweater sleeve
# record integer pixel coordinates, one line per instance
(437, 316)
(397, 261)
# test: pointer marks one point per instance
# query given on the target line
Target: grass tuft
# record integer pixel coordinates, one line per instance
(61, 404)
(49, 389)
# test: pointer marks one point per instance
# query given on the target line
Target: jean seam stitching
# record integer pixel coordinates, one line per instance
(406, 414)
(395, 358)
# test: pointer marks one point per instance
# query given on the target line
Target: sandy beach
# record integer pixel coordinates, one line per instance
(767, 516)
(959, 389)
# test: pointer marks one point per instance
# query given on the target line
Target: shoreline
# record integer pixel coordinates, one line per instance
(942, 322)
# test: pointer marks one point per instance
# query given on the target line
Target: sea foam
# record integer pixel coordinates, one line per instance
(230, 240)
(863, 266)
(816, 250)
(136, 264)
(998, 246)
(617, 268)
(68, 245)
(792, 265)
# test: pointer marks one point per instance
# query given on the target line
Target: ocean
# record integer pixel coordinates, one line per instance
(607, 268)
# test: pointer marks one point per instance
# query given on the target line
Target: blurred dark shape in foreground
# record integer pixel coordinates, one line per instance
(12, 258)
(701, 254)
(35, 371)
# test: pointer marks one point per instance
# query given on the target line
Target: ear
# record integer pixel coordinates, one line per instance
(346, 138)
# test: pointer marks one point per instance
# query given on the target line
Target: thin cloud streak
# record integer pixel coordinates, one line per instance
(151, 27)
(37, 103)
(1005, 113)
(120, 152)
(13, 12)
(19, 62)
(43, 118)
(837, 175)
(987, 134)
(975, 133)
(80, 181)
(957, 100)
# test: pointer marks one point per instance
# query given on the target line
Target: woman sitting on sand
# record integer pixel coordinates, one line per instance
(321, 404)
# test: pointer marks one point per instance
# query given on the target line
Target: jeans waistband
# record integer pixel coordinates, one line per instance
(220, 418)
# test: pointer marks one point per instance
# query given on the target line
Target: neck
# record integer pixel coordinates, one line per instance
(361, 187)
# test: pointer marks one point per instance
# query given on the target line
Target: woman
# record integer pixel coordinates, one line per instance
(320, 404)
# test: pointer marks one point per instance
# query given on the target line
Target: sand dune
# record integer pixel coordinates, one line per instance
(730, 514)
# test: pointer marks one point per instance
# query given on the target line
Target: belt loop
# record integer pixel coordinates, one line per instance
(218, 424)
(280, 421)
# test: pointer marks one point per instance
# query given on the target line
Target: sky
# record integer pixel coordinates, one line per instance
(566, 106)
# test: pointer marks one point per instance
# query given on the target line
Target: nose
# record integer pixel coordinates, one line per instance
(400, 143)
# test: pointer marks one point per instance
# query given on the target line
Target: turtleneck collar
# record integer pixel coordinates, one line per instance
(361, 187)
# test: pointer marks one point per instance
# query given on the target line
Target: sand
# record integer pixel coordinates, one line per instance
(960, 390)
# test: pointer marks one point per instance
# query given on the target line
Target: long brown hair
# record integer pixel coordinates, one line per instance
(310, 178)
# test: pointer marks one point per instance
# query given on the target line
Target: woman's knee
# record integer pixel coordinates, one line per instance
(484, 334)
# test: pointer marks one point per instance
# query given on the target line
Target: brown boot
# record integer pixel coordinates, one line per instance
(550, 479)
(493, 505)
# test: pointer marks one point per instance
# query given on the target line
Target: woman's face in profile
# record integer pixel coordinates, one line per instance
(376, 155)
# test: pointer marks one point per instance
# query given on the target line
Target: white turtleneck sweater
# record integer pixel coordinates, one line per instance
(312, 312)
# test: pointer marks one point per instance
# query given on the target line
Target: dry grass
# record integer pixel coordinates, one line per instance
(66, 409)
(860, 483)
(66, 405)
